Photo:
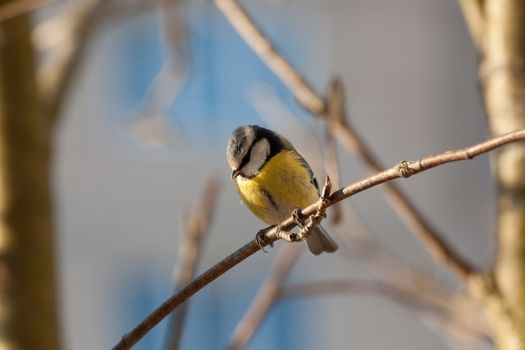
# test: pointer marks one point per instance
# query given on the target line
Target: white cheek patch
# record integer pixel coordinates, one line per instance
(258, 156)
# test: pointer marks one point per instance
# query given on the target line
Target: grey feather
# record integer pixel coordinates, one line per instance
(320, 241)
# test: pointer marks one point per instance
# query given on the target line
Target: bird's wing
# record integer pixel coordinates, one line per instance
(305, 164)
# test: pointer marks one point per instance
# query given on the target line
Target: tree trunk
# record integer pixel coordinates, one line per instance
(503, 77)
(28, 307)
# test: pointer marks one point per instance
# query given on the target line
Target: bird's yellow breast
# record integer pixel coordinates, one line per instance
(282, 185)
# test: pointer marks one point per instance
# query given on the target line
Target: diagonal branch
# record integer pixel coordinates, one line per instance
(333, 112)
(463, 320)
(450, 312)
(333, 170)
(244, 24)
(432, 240)
(364, 287)
(380, 259)
(266, 297)
(403, 169)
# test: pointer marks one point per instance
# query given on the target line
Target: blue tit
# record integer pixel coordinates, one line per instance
(273, 179)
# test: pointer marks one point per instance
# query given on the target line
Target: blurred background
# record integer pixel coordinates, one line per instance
(147, 123)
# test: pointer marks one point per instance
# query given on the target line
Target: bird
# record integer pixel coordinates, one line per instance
(273, 179)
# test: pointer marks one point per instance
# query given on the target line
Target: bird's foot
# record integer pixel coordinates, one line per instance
(324, 201)
(262, 240)
(298, 217)
(317, 216)
(320, 211)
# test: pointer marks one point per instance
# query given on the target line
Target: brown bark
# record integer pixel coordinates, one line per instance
(28, 316)
(503, 78)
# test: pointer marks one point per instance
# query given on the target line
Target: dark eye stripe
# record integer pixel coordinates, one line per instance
(246, 157)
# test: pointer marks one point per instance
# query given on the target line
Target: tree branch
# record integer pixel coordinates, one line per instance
(335, 108)
(381, 260)
(254, 37)
(364, 287)
(469, 325)
(448, 313)
(403, 169)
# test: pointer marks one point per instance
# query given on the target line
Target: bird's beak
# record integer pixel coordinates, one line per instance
(235, 173)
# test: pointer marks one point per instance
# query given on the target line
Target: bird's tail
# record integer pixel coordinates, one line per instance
(319, 241)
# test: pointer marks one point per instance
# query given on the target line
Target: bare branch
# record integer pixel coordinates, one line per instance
(448, 313)
(266, 297)
(473, 13)
(380, 259)
(244, 24)
(403, 169)
(335, 111)
(349, 138)
(186, 292)
(195, 229)
(427, 234)
(440, 250)
(465, 311)
(364, 287)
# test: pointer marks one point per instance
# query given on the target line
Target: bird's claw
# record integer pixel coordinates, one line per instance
(260, 239)
(320, 211)
(298, 217)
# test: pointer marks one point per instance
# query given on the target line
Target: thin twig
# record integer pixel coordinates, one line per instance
(195, 229)
(335, 111)
(406, 209)
(380, 259)
(244, 24)
(473, 13)
(404, 169)
(348, 137)
(186, 292)
(461, 307)
(438, 247)
(266, 297)
(447, 314)
(364, 287)
(427, 234)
